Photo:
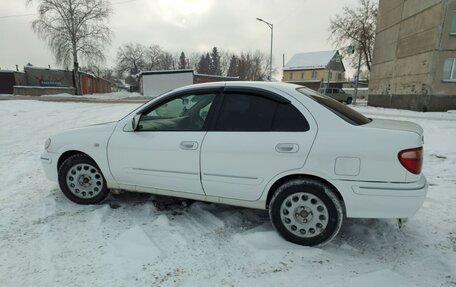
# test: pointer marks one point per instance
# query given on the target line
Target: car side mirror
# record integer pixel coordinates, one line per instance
(132, 123)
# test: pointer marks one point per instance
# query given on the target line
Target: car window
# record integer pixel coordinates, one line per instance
(185, 113)
(241, 112)
(245, 113)
(347, 114)
(288, 118)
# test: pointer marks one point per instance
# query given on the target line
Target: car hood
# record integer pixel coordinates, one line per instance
(395, 125)
(101, 127)
(82, 137)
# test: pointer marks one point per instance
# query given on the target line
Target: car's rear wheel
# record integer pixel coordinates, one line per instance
(81, 180)
(349, 101)
(306, 212)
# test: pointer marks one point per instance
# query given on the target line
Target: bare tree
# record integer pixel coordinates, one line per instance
(356, 26)
(131, 59)
(167, 61)
(96, 70)
(153, 56)
(225, 58)
(74, 29)
(249, 66)
(193, 60)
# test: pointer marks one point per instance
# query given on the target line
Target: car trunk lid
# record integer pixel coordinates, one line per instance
(409, 149)
(395, 125)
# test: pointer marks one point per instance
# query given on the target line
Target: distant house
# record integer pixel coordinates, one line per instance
(154, 83)
(315, 70)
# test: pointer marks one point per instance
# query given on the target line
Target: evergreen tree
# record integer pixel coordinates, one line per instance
(204, 64)
(182, 61)
(214, 67)
(233, 68)
(242, 67)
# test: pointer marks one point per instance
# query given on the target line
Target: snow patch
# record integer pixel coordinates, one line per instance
(104, 96)
(161, 221)
(135, 244)
(266, 244)
(379, 278)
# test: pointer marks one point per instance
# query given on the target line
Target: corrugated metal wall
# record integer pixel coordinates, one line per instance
(92, 85)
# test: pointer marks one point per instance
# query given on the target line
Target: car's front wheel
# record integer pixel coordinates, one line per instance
(306, 212)
(81, 180)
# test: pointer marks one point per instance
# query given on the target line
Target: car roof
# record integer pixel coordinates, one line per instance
(253, 84)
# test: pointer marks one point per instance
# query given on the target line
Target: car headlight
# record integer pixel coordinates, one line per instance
(47, 143)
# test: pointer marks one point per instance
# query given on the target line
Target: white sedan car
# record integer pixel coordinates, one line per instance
(305, 157)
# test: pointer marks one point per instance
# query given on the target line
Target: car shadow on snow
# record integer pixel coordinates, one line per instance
(231, 217)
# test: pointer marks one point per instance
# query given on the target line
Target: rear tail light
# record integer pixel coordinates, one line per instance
(412, 159)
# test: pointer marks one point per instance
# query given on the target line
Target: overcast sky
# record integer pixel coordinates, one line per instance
(186, 25)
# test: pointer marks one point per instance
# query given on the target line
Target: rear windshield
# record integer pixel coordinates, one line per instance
(347, 114)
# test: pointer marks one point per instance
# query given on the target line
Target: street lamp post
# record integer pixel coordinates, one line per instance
(272, 34)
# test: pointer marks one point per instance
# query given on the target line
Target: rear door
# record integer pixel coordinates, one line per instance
(257, 135)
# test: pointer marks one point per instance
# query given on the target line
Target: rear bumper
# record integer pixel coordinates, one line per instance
(49, 163)
(382, 200)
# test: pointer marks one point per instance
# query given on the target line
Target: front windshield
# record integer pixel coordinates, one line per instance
(347, 114)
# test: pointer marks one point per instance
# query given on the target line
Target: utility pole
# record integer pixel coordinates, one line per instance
(357, 78)
(329, 73)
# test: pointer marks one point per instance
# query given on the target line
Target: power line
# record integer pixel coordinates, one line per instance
(33, 14)
(123, 2)
(17, 15)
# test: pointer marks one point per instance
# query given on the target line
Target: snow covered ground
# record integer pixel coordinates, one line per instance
(46, 240)
(121, 96)
(104, 96)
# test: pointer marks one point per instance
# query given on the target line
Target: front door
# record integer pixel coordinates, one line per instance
(164, 151)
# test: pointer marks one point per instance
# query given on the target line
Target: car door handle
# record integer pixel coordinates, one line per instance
(287, 148)
(188, 145)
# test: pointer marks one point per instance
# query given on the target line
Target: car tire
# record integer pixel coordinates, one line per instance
(349, 101)
(81, 180)
(306, 212)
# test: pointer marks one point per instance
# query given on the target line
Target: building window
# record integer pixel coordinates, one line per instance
(453, 24)
(314, 75)
(330, 75)
(339, 76)
(291, 76)
(449, 70)
(302, 75)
